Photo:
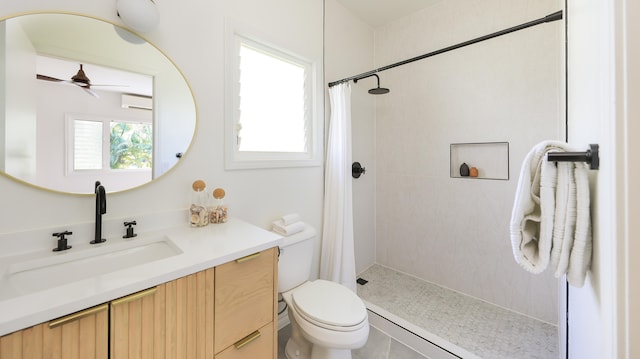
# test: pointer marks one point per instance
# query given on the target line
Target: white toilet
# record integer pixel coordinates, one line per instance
(327, 319)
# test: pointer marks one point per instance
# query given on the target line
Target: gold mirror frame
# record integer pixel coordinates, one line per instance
(192, 110)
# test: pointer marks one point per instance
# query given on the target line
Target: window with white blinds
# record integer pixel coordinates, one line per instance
(272, 102)
(270, 107)
(87, 145)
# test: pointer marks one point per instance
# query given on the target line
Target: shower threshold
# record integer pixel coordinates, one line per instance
(441, 323)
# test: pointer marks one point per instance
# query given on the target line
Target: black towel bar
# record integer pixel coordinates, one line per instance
(590, 156)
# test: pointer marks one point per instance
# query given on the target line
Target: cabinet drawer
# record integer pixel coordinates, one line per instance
(256, 345)
(244, 297)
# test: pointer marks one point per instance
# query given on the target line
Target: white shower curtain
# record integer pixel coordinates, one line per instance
(337, 259)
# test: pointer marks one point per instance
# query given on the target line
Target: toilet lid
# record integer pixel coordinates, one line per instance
(329, 303)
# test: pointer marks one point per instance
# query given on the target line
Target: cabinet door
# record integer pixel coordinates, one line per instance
(80, 335)
(173, 320)
(245, 297)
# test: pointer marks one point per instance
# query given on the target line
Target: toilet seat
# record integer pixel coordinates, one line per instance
(329, 305)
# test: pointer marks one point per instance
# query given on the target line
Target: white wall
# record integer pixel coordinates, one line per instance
(628, 55)
(453, 231)
(348, 52)
(19, 148)
(3, 92)
(191, 33)
(589, 100)
(173, 106)
(603, 85)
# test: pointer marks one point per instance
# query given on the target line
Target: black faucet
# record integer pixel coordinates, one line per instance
(101, 208)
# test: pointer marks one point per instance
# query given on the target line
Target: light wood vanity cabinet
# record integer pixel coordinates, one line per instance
(172, 320)
(246, 306)
(79, 335)
(227, 312)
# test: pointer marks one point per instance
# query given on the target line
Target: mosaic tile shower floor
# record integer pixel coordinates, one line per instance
(483, 329)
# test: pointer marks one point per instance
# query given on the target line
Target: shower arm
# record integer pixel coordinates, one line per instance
(356, 79)
(374, 91)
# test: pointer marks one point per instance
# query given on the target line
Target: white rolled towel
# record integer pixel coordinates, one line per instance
(289, 229)
(290, 218)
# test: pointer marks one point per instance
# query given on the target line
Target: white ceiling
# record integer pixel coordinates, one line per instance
(380, 12)
(107, 59)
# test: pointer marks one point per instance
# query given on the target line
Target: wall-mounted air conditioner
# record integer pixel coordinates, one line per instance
(137, 102)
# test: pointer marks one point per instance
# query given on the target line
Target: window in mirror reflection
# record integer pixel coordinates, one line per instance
(87, 145)
(102, 145)
(131, 145)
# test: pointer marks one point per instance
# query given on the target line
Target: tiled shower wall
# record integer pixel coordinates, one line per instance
(455, 231)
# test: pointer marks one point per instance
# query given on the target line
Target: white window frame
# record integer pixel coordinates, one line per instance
(70, 118)
(235, 159)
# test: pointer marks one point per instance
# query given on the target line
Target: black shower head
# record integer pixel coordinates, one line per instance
(378, 90)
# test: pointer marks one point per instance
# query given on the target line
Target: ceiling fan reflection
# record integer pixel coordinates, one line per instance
(80, 79)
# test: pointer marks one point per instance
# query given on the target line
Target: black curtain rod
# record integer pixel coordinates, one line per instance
(549, 18)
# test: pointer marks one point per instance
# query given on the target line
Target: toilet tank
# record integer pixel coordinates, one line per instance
(294, 263)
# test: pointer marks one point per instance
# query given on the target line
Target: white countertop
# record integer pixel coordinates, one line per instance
(201, 248)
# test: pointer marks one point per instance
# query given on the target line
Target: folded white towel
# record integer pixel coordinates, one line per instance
(550, 221)
(289, 229)
(565, 219)
(288, 219)
(531, 225)
(580, 257)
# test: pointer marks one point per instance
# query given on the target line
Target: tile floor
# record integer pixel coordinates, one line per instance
(485, 330)
(379, 346)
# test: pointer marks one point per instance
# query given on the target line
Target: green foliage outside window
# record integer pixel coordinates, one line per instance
(131, 145)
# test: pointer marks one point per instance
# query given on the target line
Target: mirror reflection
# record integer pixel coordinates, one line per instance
(84, 100)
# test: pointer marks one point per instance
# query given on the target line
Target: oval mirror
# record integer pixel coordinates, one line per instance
(85, 100)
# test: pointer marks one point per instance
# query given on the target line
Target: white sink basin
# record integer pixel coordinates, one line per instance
(62, 268)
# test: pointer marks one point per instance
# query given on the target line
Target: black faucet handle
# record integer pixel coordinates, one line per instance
(129, 226)
(62, 241)
(62, 234)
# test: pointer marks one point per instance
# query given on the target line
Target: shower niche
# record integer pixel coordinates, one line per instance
(483, 160)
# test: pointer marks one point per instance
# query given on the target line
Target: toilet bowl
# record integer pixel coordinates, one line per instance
(331, 319)
(327, 319)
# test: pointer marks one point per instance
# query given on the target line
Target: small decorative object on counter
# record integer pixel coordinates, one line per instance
(464, 170)
(218, 212)
(473, 172)
(198, 214)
